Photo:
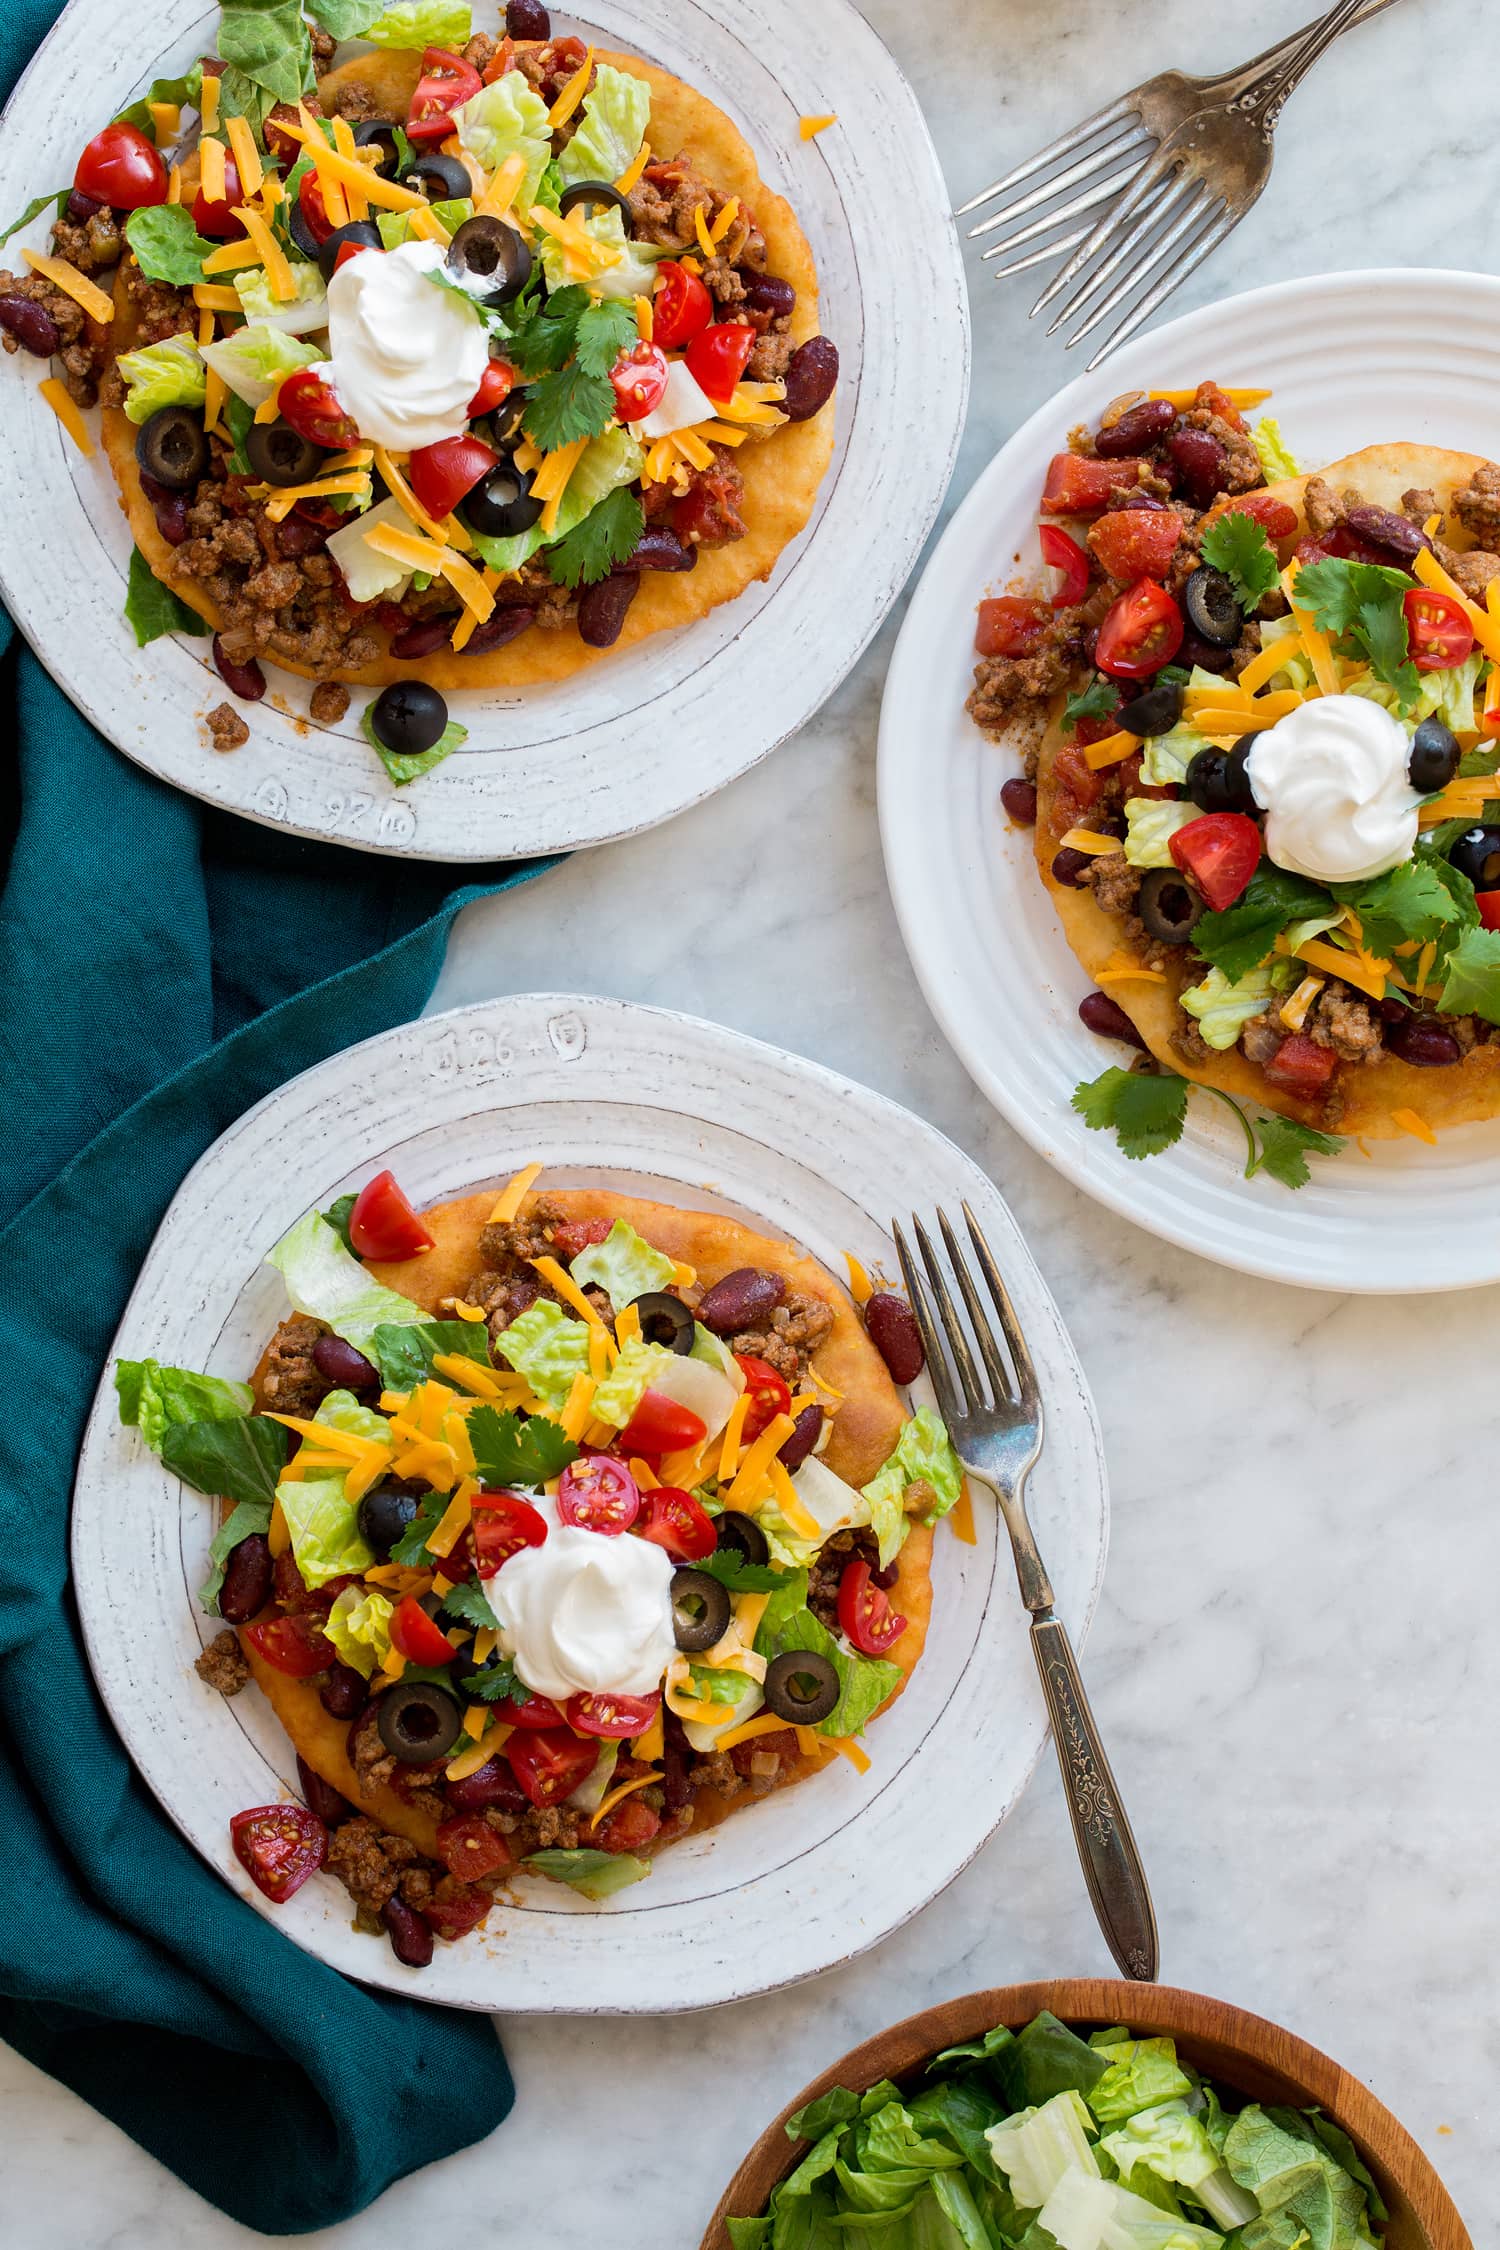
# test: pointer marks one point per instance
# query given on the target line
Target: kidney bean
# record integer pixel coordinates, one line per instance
(343, 1694)
(247, 1580)
(527, 19)
(886, 1579)
(247, 681)
(493, 1784)
(32, 325)
(675, 1792)
(602, 608)
(422, 638)
(1019, 799)
(806, 1431)
(506, 625)
(1196, 650)
(170, 508)
(768, 293)
(1138, 428)
(321, 1797)
(1097, 1012)
(1400, 538)
(661, 549)
(1426, 1045)
(296, 536)
(811, 373)
(1068, 866)
(411, 1940)
(340, 1364)
(1200, 466)
(81, 207)
(743, 1299)
(892, 1328)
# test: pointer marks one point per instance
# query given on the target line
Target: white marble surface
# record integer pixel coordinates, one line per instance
(1292, 1661)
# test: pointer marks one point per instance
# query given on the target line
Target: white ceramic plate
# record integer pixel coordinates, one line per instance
(660, 1105)
(1353, 359)
(647, 733)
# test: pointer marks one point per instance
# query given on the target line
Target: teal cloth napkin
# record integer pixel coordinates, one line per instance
(164, 967)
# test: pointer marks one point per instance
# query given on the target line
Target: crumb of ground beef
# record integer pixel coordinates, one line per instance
(82, 347)
(324, 47)
(1262, 1035)
(270, 604)
(1190, 1042)
(1343, 1020)
(1418, 504)
(1323, 507)
(330, 700)
(663, 203)
(716, 1771)
(798, 1327)
(291, 1383)
(1116, 885)
(356, 103)
(481, 52)
(368, 1861)
(1477, 507)
(227, 729)
(223, 1663)
(508, 1281)
(828, 1568)
(771, 357)
(92, 245)
(1471, 568)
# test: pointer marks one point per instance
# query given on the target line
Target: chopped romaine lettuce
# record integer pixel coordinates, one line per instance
(1447, 695)
(1172, 2144)
(253, 361)
(1093, 2214)
(633, 1374)
(714, 1352)
(370, 577)
(323, 1521)
(1037, 2146)
(404, 1353)
(631, 272)
(1149, 824)
(395, 226)
(507, 118)
(611, 128)
(1166, 757)
(607, 462)
(166, 374)
(1304, 2193)
(307, 310)
(152, 1396)
(623, 1265)
(1223, 1008)
(865, 1682)
(359, 1626)
(1275, 458)
(415, 24)
(833, 1505)
(589, 1795)
(923, 1453)
(549, 1347)
(328, 1283)
(1141, 2074)
(596, 1874)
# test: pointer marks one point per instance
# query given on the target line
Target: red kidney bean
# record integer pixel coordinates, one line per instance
(1068, 866)
(340, 1364)
(493, 1784)
(893, 1330)
(1143, 502)
(1200, 466)
(422, 638)
(768, 293)
(674, 1782)
(1426, 1045)
(247, 1580)
(506, 625)
(321, 1797)
(411, 1940)
(1098, 1013)
(661, 549)
(247, 681)
(1400, 538)
(1019, 799)
(811, 373)
(343, 1694)
(81, 207)
(296, 536)
(32, 326)
(1196, 650)
(886, 1579)
(806, 1431)
(1138, 428)
(527, 19)
(602, 608)
(743, 1299)
(171, 510)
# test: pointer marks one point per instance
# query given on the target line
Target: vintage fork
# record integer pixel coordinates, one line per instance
(1178, 161)
(995, 1420)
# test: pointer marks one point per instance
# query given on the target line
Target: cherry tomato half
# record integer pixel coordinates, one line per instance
(1136, 543)
(1061, 551)
(717, 355)
(639, 377)
(469, 1848)
(549, 1767)
(441, 474)
(314, 209)
(865, 1615)
(307, 401)
(538, 1714)
(295, 1645)
(1439, 632)
(1488, 903)
(278, 1846)
(769, 1395)
(618, 1718)
(599, 1494)
(1141, 632)
(1010, 625)
(1078, 485)
(122, 168)
(674, 1520)
(502, 1524)
(446, 83)
(418, 1638)
(681, 307)
(217, 220)
(383, 1224)
(659, 1425)
(495, 384)
(1221, 852)
(1301, 1065)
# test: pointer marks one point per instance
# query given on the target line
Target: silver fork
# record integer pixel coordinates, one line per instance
(995, 1421)
(1177, 162)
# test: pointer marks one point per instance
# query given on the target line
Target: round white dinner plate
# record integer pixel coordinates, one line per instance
(642, 734)
(654, 1104)
(1351, 359)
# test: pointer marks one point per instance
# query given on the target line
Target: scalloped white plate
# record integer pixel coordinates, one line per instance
(643, 735)
(1353, 359)
(660, 1105)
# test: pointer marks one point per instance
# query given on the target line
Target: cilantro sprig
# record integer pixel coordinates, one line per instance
(1096, 701)
(608, 536)
(1236, 544)
(1147, 1111)
(565, 348)
(1362, 604)
(511, 1450)
(495, 1684)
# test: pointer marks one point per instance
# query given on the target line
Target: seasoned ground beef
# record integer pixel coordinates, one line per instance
(1418, 505)
(292, 1384)
(82, 344)
(1345, 1021)
(370, 1862)
(481, 52)
(271, 604)
(507, 1281)
(798, 1327)
(356, 103)
(324, 48)
(92, 244)
(715, 1771)
(662, 207)
(1477, 507)
(330, 700)
(227, 730)
(223, 1664)
(1323, 507)
(1115, 883)
(377, 1769)
(1472, 567)
(828, 1568)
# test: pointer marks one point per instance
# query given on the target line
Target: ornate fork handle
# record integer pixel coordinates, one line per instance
(1264, 99)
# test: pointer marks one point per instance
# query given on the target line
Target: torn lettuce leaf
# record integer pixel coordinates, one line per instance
(1224, 1008)
(328, 1283)
(359, 1626)
(623, 1265)
(923, 1453)
(507, 118)
(152, 1396)
(611, 127)
(549, 1347)
(1150, 824)
(167, 374)
(323, 1521)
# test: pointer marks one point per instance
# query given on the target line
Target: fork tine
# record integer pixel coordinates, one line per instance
(1020, 1354)
(1149, 216)
(937, 1365)
(957, 1341)
(1036, 257)
(1169, 281)
(1142, 190)
(1091, 197)
(1061, 147)
(1189, 216)
(979, 1319)
(1087, 168)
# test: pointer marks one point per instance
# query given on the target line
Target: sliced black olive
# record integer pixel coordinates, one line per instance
(1434, 757)
(1477, 855)
(1155, 712)
(1217, 780)
(801, 1687)
(666, 1320)
(418, 1722)
(298, 228)
(1212, 607)
(742, 1535)
(487, 250)
(506, 419)
(376, 133)
(442, 179)
(364, 232)
(280, 454)
(409, 717)
(384, 1515)
(500, 505)
(1168, 905)
(172, 448)
(700, 1609)
(597, 195)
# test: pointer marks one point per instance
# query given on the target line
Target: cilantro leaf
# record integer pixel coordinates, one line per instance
(1472, 982)
(1236, 544)
(1239, 939)
(602, 333)
(731, 1569)
(541, 341)
(1096, 701)
(470, 1604)
(609, 534)
(510, 1450)
(566, 405)
(1284, 1148)
(1362, 604)
(493, 1684)
(1475, 762)
(1145, 1110)
(1411, 903)
(411, 1548)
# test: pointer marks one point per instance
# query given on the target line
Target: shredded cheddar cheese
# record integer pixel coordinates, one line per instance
(55, 393)
(1418, 1127)
(72, 283)
(809, 127)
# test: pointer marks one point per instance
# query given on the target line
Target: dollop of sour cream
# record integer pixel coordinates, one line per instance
(586, 1612)
(406, 356)
(1332, 778)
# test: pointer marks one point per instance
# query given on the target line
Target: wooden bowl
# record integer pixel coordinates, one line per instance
(1239, 2051)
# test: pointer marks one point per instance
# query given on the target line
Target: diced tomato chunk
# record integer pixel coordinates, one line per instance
(1276, 519)
(1220, 403)
(1011, 625)
(577, 1234)
(471, 1848)
(1078, 485)
(1078, 787)
(628, 1827)
(1136, 543)
(454, 1915)
(1301, 1065)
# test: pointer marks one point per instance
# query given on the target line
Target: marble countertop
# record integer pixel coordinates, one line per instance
(1291, 1661)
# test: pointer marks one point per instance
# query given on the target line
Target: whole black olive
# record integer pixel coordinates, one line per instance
(1434, 757)
(376, 133)
(594, 195)
(409, 717)
(1212, 607)
(384, 1514)
(442, 179)
(801, 1687)
(500, 505)
(172, 448)
(1477, 855)
(361, 232)
(1168, 905)
(281, 455)
(665, 1320)
(1217, 780)
(418, 1721)
(1155, 712)
(742, 1535)
(487, 250)
(700, 1610)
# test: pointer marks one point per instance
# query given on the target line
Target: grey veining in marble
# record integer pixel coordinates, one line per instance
(1294, 1661)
